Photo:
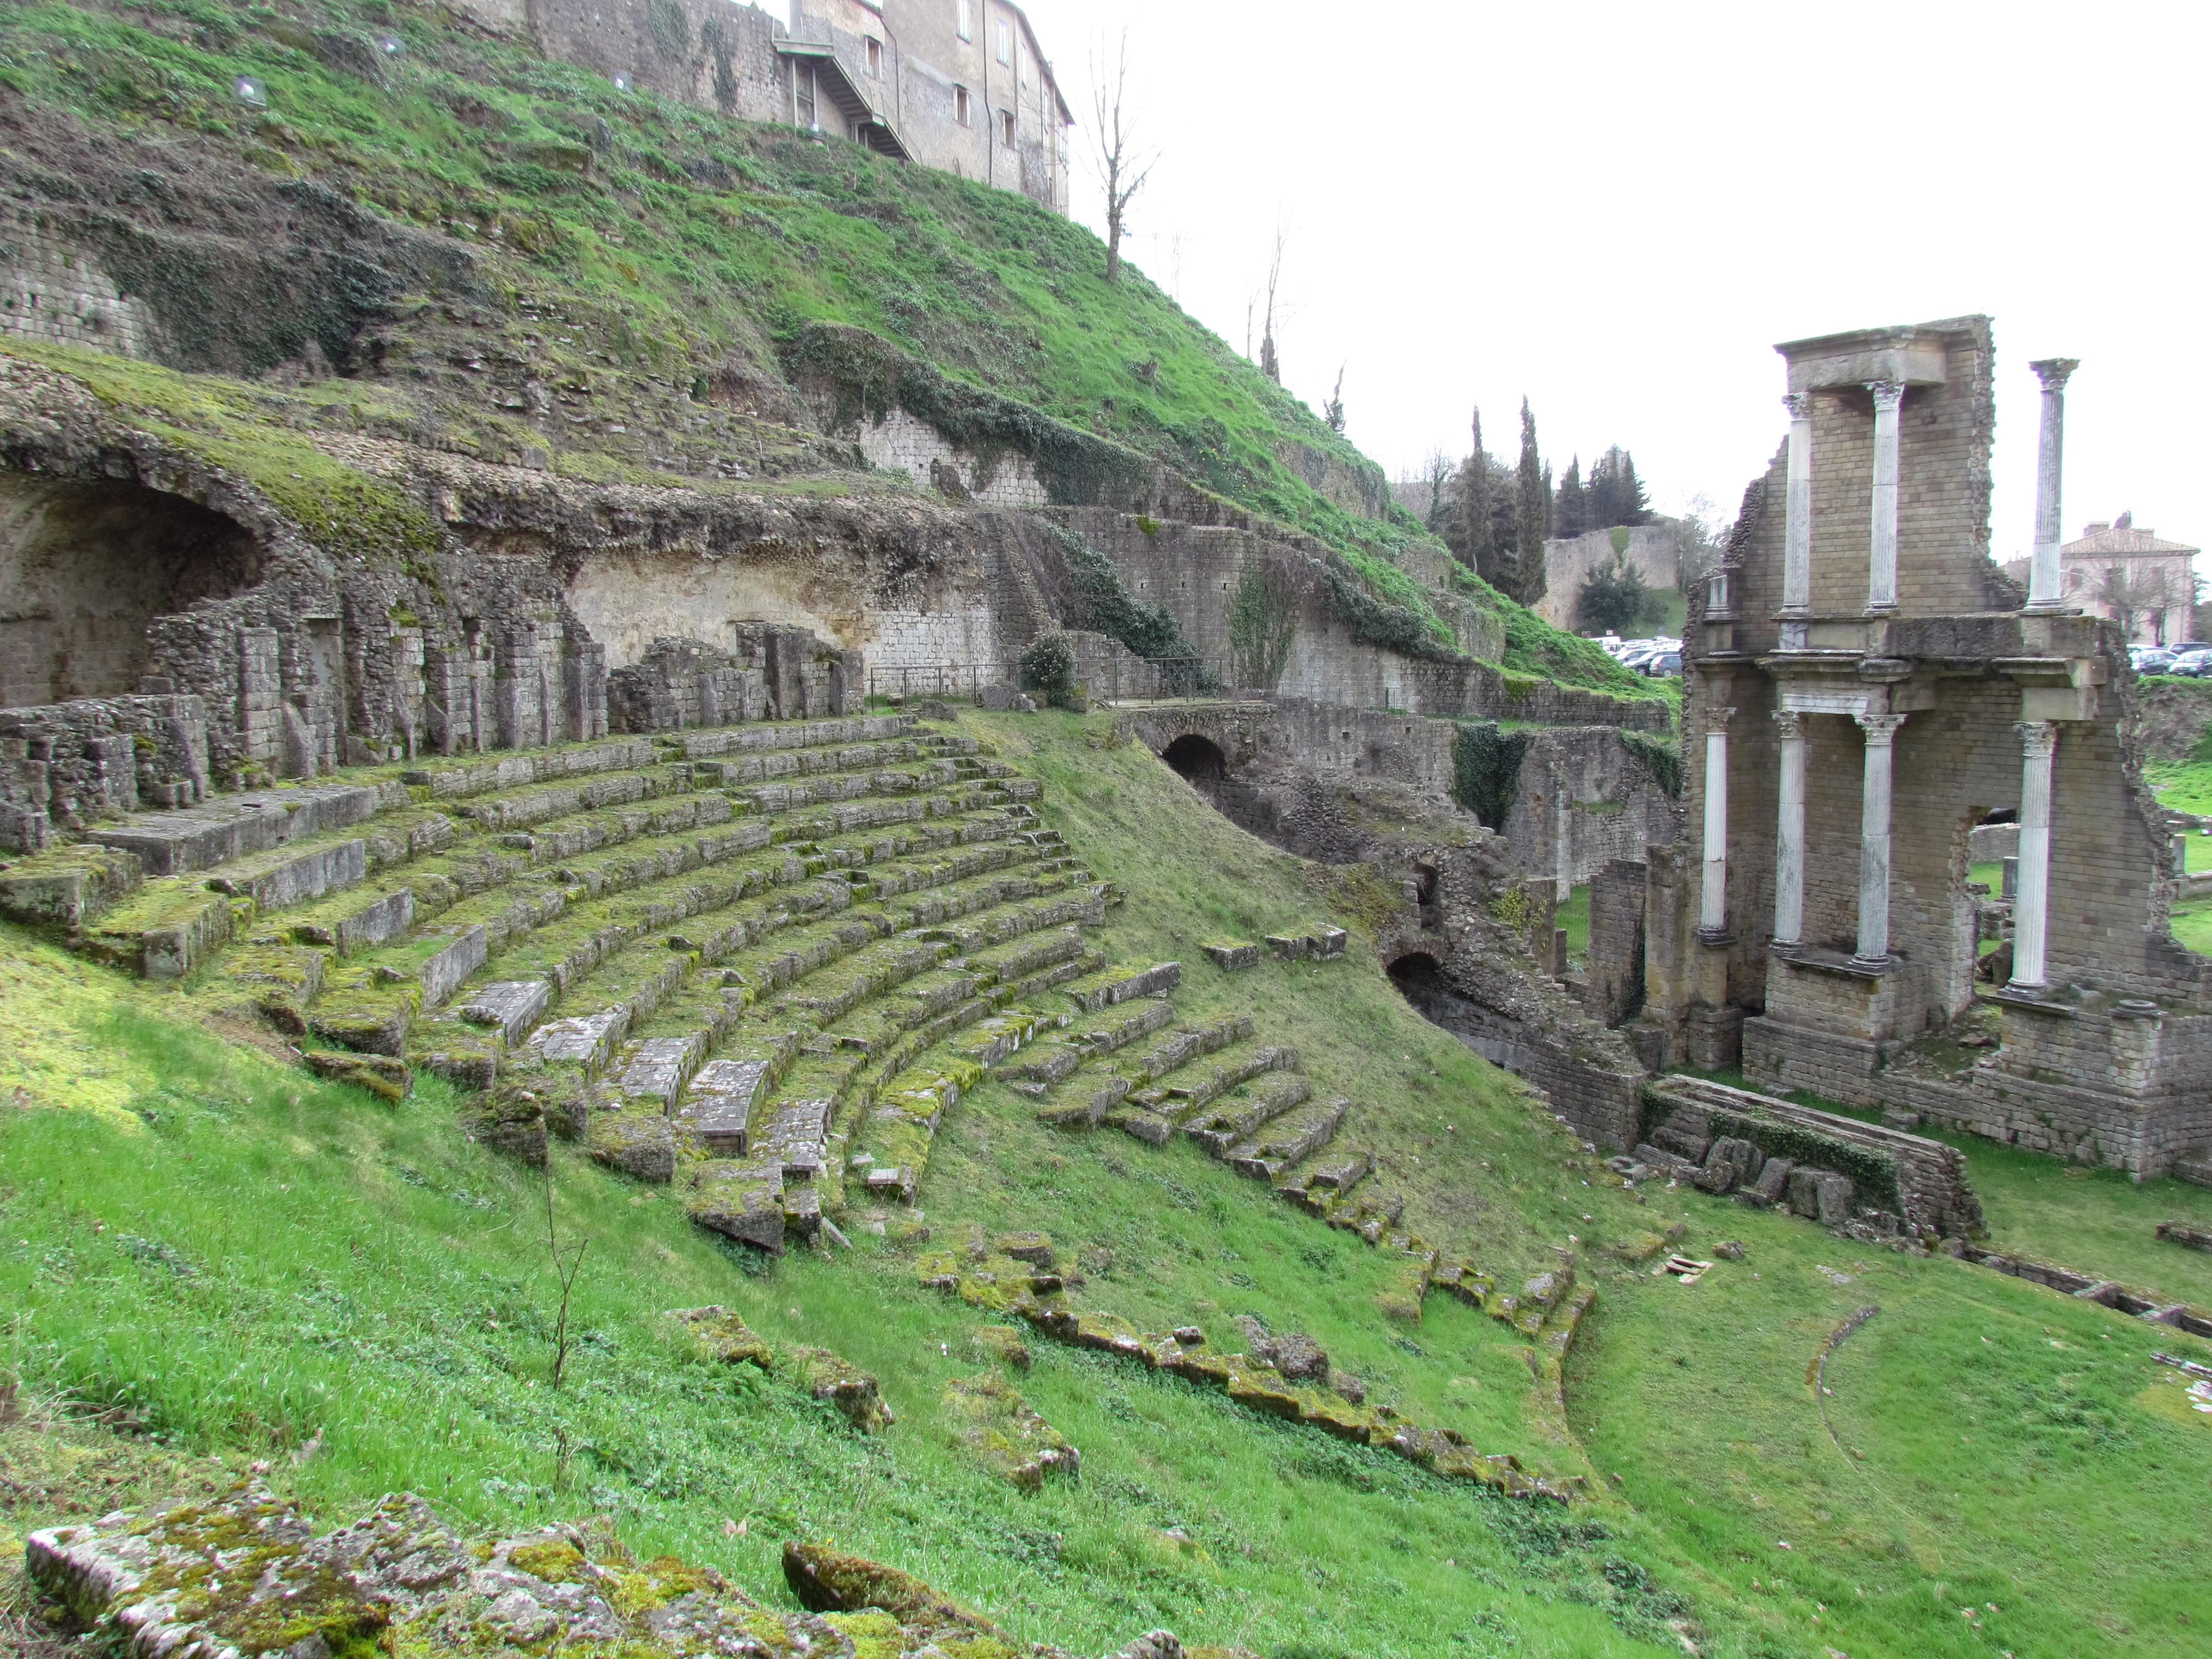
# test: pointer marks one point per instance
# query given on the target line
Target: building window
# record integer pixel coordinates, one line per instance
(876, 57)
(1007, 127)
(1002, 33)
(960, 105)
(965, 20)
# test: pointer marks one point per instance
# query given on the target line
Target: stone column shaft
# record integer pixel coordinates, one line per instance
(1797, 546)
(1881, 566)
(1874, 838)
(1790, 833)
(2031, 909)
(2046, 582)
(1712, 911)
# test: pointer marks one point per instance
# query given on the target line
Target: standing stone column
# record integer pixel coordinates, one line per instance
(1790, 832)
(1874, 838)
(2031, 909)
(1881, 572)
(1797, 546)
(2046, 582)
(1712, 914)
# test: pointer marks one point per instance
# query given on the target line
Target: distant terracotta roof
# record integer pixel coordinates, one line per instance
(2123, 538)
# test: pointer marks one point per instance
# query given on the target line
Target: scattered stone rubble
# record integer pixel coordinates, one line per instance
(721, 1335)
(1309, 1391)
(248, 1575)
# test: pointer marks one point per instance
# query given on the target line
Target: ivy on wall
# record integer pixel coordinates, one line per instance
(1660, 757)
(1262, 626)
(1487, 770)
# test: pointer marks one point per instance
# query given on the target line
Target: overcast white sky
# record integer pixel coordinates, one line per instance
(1617, 209)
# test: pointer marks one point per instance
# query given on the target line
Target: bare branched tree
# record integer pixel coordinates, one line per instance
(1332, 410)
(1271, 364)
(1123, 167)
(565, 1271)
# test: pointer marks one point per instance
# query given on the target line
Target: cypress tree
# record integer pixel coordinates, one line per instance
(1571, 508)
(1635, 506)
(1477, 543)
(1533, 512)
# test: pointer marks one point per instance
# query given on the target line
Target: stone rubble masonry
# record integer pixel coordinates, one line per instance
(64, 766)
(1931, 1176)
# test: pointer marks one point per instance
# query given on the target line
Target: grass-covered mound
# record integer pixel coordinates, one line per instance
(643, 257)
(228, 1258)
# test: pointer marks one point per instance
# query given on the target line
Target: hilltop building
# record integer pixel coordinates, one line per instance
(960, 85)
(2127, 574)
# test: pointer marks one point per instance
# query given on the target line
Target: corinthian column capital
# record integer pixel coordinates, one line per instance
(2038, 739)
(2053, 372)
(1800, 405)
(1880, 729)
(1887, 395)
(1790, 723)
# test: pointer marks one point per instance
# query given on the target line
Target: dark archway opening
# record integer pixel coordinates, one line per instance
(1431, 993)
(85, 566)
(1198, 760)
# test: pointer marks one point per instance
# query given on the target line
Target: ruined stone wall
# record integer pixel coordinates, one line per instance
(901, 442)
(1612, 976)
(1195, 569)
(1582, 799)
(1945, 433)
(1652, 550)
(51, 289)
(711, 53)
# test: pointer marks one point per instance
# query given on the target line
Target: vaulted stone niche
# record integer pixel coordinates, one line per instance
(85, 565)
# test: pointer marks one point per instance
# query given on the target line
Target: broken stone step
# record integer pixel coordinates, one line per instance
(1120, 987)
(1087, 1106)
(1217, 1079)
(204, 837)
(586, 1041)
(511, 1007)
(374, 920)
(1370, 1215)
(739, 1200)
(793, 1135)
(654, 1070)
(68, 886)
(634, 1139)
(1318, 1190)
(1288, 1141)
(1231, 955)
(1183, 1045)
(1034, 987)
(1237, 1116)
(275, 881)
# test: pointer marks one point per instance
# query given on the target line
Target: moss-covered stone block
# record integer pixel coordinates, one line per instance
(722, 1336)
(837, 1382)
(992, 1420)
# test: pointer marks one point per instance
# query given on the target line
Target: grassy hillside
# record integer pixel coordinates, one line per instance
(228, 1259)
(676, 255)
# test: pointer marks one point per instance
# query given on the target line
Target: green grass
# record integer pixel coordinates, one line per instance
(2184, 785)
(694, 247)
(1574, 917)
(232, 1259)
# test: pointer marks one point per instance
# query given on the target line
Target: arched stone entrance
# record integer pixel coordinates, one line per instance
(1198, 760)
(85, 565)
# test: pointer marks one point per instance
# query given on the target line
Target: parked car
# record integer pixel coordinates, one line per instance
(2192, 665)
(1666, 663)
(2155, 660)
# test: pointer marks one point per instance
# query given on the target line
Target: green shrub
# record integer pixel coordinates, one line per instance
(1048, 667)
(1487, 770)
